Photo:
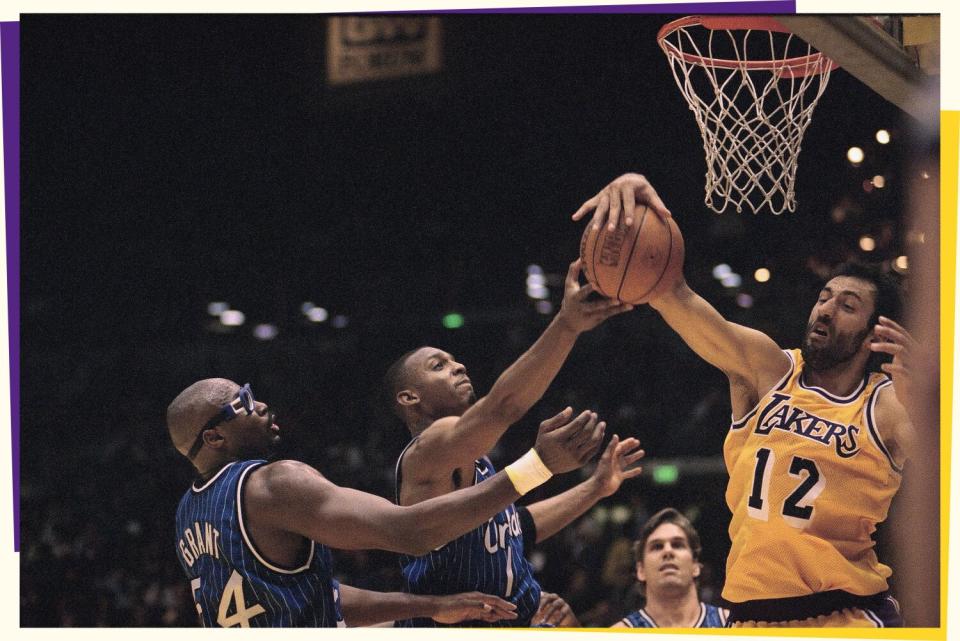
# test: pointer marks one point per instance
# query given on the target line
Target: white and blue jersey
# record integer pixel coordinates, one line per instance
(710, 617)
(488, 559)
(232, 583)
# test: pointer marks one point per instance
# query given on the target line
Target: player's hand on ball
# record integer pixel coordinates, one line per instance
(580, 314)
(614, 465)
(473, 606)
(554, 611)
(620, 198)
(565, 444)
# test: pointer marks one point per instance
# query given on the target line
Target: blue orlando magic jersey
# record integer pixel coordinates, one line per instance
(488, 559)
(233, 585)
(710, 617)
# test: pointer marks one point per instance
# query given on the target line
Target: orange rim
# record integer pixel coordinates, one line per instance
(813, 64)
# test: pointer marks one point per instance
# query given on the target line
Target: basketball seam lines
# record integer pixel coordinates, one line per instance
(633, 247)
(666, 264)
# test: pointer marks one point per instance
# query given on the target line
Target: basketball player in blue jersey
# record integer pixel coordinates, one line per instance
(667, 555)
(452, 434)
(817, 442)
(253, 537)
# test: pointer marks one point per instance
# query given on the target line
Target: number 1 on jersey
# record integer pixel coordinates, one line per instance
(757, 504)
(798, 507)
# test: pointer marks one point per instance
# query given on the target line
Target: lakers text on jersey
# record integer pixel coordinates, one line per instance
(810, 480)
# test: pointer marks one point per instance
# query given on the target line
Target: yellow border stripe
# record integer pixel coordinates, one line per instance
(949, 142)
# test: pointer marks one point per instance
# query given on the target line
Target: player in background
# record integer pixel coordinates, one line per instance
(667, 555)
(452, 434)
(253, 537)
(817, 442)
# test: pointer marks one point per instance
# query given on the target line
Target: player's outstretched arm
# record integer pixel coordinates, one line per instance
(365, 607)
(553, 514)
(896, 404)
(289, 496)
(455, 442)
(740, 352)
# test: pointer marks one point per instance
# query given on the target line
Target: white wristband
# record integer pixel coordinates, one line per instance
(528, 472)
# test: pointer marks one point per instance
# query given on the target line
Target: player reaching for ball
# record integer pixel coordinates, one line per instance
(452, 434)
(253, 537)
(817, 442)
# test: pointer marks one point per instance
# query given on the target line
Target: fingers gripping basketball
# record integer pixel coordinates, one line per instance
(633, 264)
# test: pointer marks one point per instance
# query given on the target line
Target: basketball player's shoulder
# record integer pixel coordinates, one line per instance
(431, 447)
(279, 479)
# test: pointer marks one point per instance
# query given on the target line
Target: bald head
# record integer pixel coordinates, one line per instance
(194, 406)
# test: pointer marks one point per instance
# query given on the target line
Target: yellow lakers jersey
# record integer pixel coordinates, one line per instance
(810, 480)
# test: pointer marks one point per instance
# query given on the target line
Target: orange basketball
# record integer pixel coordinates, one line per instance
(633, 264)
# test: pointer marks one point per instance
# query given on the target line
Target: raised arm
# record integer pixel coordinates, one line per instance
(738, 351)
(744, 354)
(553, 514)
(896, 405)
(454, 442)
(292, 497)
(365, 607)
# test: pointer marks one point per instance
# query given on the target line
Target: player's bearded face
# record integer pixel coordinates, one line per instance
(839, 347)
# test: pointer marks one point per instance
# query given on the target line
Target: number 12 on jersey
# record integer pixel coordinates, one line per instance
(797, 509)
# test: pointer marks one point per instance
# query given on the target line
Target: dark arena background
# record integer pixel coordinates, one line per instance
(173, 162)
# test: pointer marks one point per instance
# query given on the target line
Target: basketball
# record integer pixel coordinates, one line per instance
(633, 264)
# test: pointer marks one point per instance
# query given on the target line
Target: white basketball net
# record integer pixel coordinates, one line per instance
(753, 92)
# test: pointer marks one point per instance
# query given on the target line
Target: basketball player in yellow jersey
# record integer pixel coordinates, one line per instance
(816, 446)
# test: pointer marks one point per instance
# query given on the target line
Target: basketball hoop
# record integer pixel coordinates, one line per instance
(752, 85)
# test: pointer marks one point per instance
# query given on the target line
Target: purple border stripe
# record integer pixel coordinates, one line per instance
(10, 72)
(763, 7)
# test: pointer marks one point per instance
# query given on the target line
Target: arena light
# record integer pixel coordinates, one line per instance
(745, 300)
(731, 280)
(855, 155)
(233, 318)
(217, 307)
(453, 320)
(883, 136)
(902, 263)
(666, 474)
(536, 280)
(545, 307)
(265, 331)
(762, 275)
(317, 314)
(306, 307)
(721, 271)
(620, 514)
(867, 243)
(539, 293)
(534, 270)
(879, 181)
(340, 321)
